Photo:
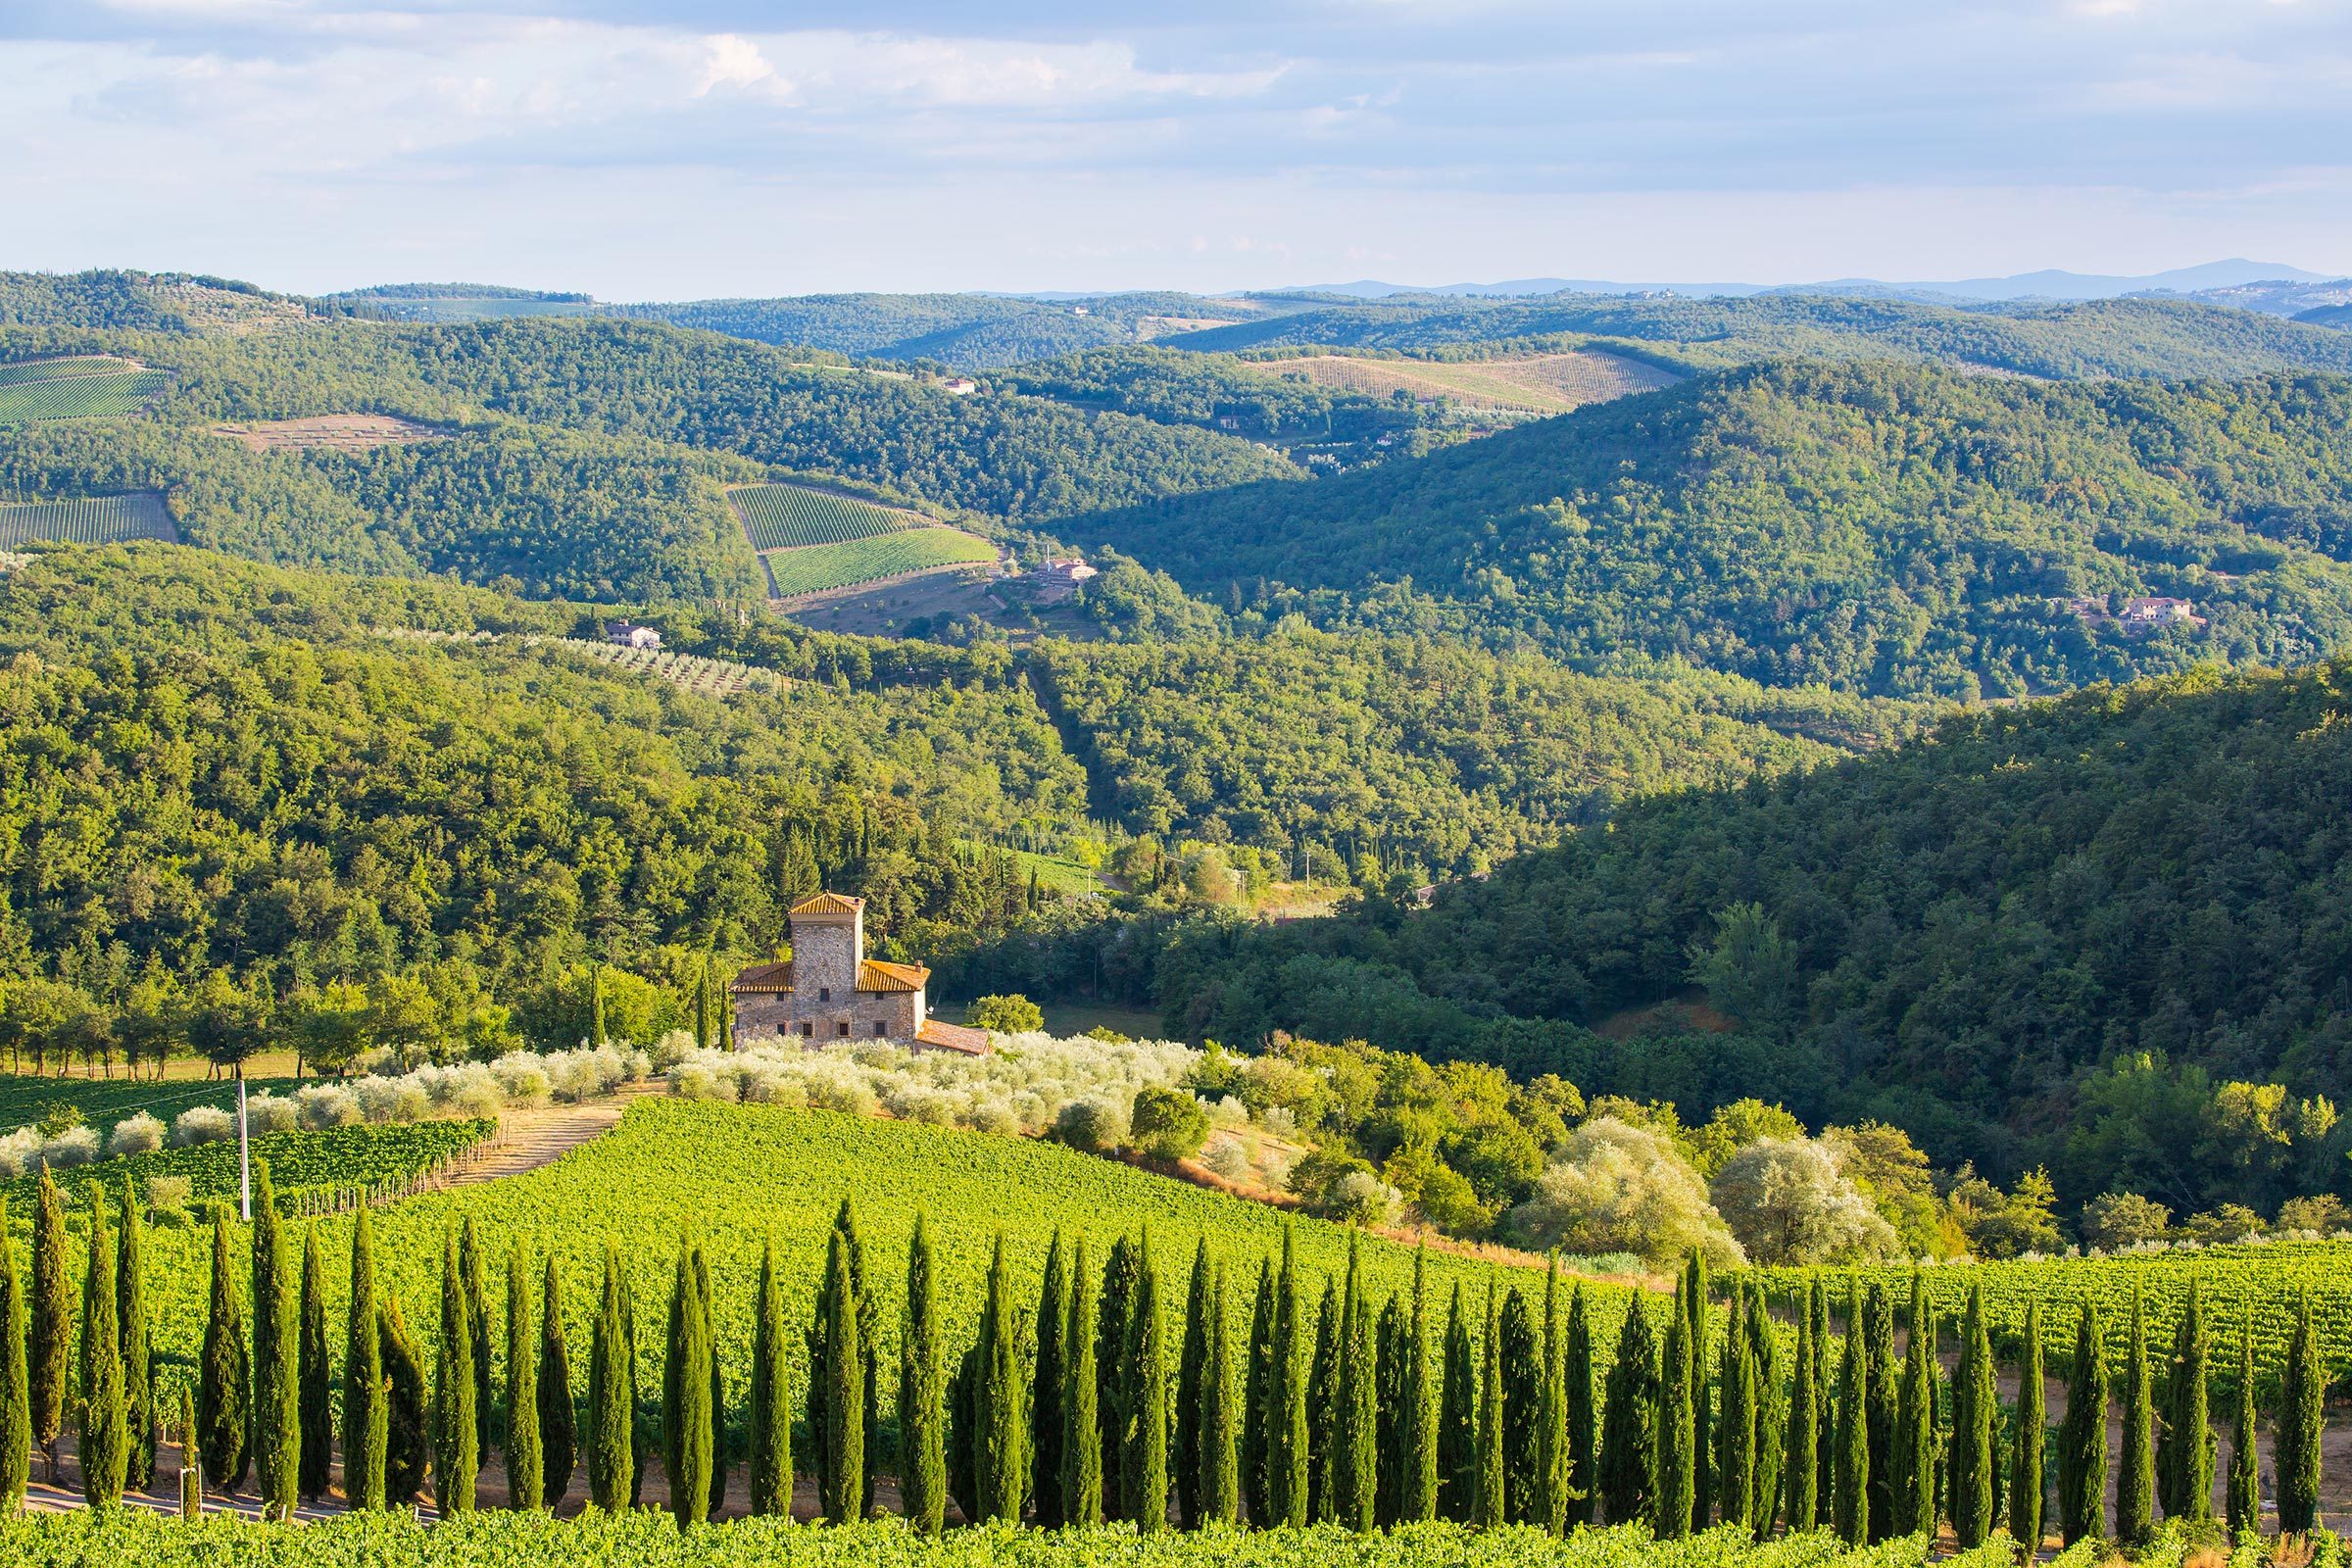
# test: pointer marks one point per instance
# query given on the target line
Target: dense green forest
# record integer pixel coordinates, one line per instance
(1873, 528)
(2140, 337)
(2052, 933)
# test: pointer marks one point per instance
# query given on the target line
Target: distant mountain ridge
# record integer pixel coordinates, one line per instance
(2049, 284)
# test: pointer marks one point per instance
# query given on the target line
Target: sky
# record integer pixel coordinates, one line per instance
(698, 148)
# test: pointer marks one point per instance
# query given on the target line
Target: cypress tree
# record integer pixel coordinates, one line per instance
(1192, 1361)
(1581, 1480)
(1878, 1405)
(139, 1414)
(686, 1412)
(611, 1396)
(1850, 1488)
(1045, 1415)
(1489, 1503)
(1915, 1421)
(1417, 1464)
(457, 1456)
(223, 1378)
(2136, 1482)
(2184, 1454)
(840, 1480)
(559, 1420)
(15, 1397)
(867, 1306)
(477, 1318)
(1702, 1394)
(1081, 1425)
(1801, 1494)
(1114, 1313)
(1551, 1422)
(1355, 1458)
(964, 1392)
(525, 1457)
(1219, 1485)
(2245, 1475)
(1457, 1417)
(1389, 1372)
(1825, 1394)
(191, 1468)
(408, 1435)
(2296, 1437)
(1519, 1360)
(2082, 1434)
(2028, 1432)
(315, 1373)
(1772, 1415)
(1322, 1407)
(50, 1341)
(708, 1331)
(1148, 1476)
(1256, 1381)
(365, 1413)
(771, 1413)
(276, 1371)
(1735, 1468)
(1629, 1431)
(1287, 1447)
(104, 1444)
(641, 1432)
(1674, 1485)
(1974, 1410)
(1001, 1457)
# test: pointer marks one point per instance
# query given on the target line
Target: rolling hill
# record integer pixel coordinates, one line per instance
(1876, 529)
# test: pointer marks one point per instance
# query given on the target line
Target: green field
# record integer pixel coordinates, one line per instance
(318, 1160)
(817, 569)
(79, 388)
(788, 517)
(87, 521)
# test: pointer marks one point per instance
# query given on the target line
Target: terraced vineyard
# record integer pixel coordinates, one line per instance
(82, 387)
(788, 517)
(820, 568)
(87, 521)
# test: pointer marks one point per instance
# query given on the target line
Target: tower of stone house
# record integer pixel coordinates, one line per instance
(828, 939)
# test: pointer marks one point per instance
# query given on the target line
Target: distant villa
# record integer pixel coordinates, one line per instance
(830, 993)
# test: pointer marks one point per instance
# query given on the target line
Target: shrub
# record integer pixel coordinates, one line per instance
(1006, 1016)
(1617, 1188)
(1229, 1158)
(522, 1078)
(391, 1099)
(59, 1119)
(1787, 1201)
(18, 1151)
(203, 1124)
(1097, 1124)
(327, 1106)
(169, 1192)
(2231, 1222)
(2323, 1216)
(1360, 1198)
(1168, 1123)
(2116, 1220)
(136, 1134)
(76, 1146)
(270, 1113)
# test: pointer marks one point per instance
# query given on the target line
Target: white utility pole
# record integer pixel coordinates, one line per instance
(244, 1153)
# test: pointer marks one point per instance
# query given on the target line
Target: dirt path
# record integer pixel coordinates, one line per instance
(530, 1139)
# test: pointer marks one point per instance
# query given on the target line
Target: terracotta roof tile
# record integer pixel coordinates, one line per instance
(938, 1036)
(875, 975)
(764, 979)
(828, 904)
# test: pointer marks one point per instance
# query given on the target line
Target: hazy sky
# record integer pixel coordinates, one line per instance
(704, 147)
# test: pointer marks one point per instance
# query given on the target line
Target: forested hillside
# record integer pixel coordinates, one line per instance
(2048, 932)
(2138, 337)
(1873, 528)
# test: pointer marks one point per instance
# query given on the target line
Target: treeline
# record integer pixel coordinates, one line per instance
(2057, 934)
(1171, 386)
(1870, 527)
(2143, 338)
(1106, 1402)
(212, 767)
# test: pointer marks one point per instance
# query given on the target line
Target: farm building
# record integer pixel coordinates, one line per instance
(1058, 580)
(628, 634)
(829, 991)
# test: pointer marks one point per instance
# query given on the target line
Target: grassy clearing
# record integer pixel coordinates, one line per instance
(1543, 383)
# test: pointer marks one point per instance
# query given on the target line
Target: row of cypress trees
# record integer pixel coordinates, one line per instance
(1087, 1407)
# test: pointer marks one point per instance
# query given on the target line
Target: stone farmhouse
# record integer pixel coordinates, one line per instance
(830, 993)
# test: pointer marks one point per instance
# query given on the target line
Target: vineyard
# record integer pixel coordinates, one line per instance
(311, 1168)
(789, 516)
(708, 677)
(821, 568)
(648, 1539)
(79, 388)
(87, 521)
(1544, 383)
